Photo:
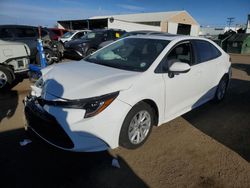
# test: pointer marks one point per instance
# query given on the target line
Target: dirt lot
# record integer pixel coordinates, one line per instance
(208, 147)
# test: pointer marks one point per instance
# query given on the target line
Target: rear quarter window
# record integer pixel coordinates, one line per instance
(205, 51)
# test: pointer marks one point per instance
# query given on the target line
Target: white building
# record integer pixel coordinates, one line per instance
(174, 22)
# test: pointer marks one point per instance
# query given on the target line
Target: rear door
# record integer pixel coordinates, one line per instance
(207, 59)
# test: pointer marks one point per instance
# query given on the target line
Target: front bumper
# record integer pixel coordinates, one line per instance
(68, 130)
(45, 125)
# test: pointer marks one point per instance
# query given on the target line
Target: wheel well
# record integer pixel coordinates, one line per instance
(155, 108)
(227, 76)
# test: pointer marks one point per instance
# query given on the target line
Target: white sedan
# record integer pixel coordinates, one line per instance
(114, 96)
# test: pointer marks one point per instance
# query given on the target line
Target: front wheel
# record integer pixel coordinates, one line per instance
(221, 89)
(5, 78)
(137, 126)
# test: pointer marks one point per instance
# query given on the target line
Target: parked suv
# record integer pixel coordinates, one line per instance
(29, 35)
(88, 44)
(14, 61)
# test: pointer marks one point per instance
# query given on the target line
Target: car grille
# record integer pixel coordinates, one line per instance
(46, 125)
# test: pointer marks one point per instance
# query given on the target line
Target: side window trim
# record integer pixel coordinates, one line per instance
(159, 68)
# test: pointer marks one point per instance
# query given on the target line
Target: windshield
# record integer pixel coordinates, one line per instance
(68, 34)
(133, 54)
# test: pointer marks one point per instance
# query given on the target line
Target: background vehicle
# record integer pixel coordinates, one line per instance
(133, 33)
(57, 33)
(116, 95)
(78, 49)
(14, 62)
(72, 35)
(29, 35)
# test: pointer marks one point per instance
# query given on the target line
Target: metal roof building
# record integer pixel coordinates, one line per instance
(175, 22)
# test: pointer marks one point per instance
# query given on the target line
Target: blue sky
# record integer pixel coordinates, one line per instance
(47, 12)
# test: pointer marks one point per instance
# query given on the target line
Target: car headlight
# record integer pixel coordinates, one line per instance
(93, 106)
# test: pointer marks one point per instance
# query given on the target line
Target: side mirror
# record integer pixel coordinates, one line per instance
(179, 67)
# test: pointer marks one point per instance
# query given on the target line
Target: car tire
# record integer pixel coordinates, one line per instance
(221, 89)
(48, 55)
(5, 78)
(90, 51)
(132, 134)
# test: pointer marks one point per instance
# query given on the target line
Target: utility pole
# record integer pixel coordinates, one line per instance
(248, 24)
(230, 20)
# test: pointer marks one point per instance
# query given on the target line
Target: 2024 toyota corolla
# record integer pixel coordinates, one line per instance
(115, 96)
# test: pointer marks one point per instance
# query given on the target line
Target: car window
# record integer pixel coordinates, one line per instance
(133, 54)
(64, 31)
(180, 53)
(68, 34)
(205, 51)
(5, 33)
(79, 35)
(25, 32)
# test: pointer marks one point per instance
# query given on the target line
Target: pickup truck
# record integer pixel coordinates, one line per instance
(14, 62)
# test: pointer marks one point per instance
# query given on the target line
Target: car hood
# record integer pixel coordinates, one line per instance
(81, 79)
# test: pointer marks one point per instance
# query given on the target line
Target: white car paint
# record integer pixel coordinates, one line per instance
(172, 96)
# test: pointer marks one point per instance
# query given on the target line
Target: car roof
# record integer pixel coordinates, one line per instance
(167, 37)
(18, 26)
(80, 30)
(103, 30)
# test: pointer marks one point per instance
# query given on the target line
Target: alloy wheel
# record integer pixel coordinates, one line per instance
(139, 127)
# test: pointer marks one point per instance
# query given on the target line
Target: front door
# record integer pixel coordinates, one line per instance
(183, 89)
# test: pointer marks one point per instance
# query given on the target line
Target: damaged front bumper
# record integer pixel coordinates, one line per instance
(45, 125)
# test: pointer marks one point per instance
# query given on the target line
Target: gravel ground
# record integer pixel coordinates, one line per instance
(207, 147)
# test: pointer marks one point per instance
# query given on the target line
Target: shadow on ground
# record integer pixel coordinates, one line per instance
(243, 67)
(39, 165)
(8, 104)
(229, 121)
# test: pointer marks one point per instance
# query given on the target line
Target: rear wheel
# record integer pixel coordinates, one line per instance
(137, 126)
(5, 78)
(221, 89)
